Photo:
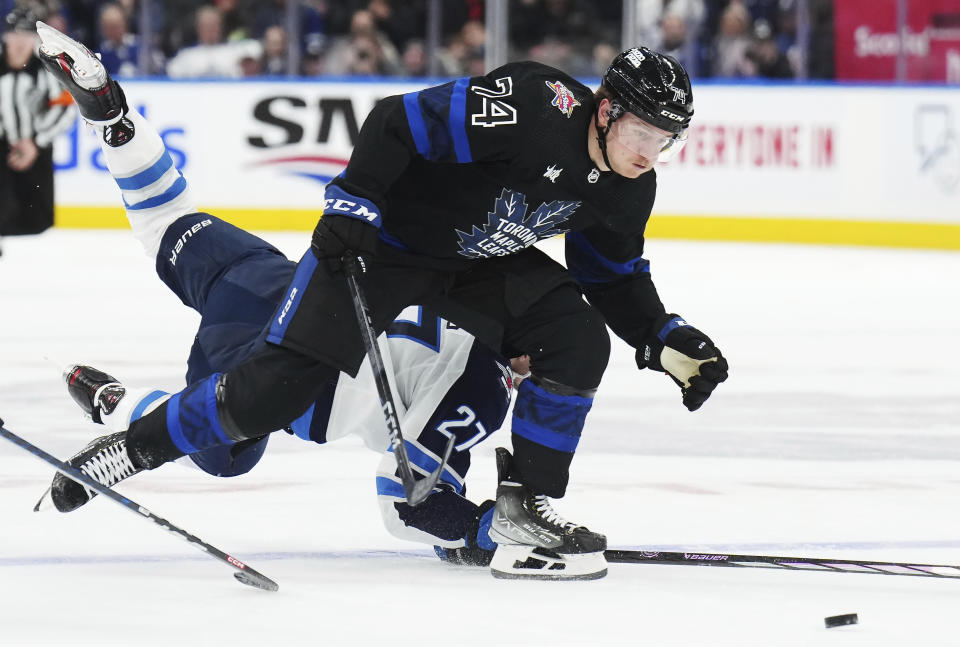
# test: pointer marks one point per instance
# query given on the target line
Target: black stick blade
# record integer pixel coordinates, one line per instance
(257, 580)
(418, 491)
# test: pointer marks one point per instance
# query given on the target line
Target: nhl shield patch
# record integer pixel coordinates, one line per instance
(563, 99)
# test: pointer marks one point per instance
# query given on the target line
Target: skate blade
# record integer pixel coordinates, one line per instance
(87, 71)
(515, 562)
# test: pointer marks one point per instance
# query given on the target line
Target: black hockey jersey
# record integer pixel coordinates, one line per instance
(486, 166)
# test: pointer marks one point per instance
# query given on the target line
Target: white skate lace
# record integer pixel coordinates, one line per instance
(109, 466)
(542, 505)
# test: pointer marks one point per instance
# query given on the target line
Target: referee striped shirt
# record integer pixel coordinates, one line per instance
(32, 104)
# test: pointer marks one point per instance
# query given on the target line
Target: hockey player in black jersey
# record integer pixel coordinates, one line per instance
(445, 193)
(446, 383)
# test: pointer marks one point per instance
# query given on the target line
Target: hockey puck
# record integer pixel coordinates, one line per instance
(841, 620)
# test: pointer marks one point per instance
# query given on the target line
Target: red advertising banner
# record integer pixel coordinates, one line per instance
(868, 42)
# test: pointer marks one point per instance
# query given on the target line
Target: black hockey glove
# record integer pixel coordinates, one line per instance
(687, 356)
(479, 548)
(348, 224)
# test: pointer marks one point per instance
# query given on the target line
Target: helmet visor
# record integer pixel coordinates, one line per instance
(641, 138)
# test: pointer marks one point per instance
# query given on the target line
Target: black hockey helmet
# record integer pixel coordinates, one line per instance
(652, 86)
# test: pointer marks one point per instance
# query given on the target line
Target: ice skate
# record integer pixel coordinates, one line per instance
(104, 460)
(97, 393)
(99, 98)
(533, 541)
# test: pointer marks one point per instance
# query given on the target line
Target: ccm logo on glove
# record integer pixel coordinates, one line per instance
(342, 203)
(349, 224)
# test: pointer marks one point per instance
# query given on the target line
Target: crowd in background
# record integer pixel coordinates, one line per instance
(243, 38)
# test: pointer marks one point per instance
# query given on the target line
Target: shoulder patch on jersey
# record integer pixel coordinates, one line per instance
(563, 99)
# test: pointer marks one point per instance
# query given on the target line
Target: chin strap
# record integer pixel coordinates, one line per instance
(615, 112)
(602, 139)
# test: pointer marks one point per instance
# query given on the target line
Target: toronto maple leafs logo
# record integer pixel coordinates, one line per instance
(509, 229)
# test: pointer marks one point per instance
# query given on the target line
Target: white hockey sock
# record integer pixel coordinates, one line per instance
(134, 404)
(154, 192)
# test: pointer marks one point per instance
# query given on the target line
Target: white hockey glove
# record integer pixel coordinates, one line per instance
(688, 356)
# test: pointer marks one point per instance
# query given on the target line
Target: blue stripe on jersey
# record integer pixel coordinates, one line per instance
(192, 418)
(458, 121)
(415, 120)
(587, 265)
(391, 240)
(473, 407)
(148, 176)
(669, 327)
(389, 487)
(178, 187)
(428, 463)
(438, 122)
(288, 307)
(548, 419)
(424, 332)
(145, 402)
(301, 426)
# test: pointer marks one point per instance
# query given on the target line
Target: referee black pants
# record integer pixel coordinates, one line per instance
(26, 198)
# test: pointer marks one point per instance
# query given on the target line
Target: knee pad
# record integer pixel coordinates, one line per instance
(579, 353)
(224, 415)
(269, 391)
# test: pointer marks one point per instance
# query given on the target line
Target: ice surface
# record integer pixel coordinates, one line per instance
(838, 435)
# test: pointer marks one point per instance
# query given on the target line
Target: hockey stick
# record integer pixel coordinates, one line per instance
(780, 562)
(244, 573)
(416, 491)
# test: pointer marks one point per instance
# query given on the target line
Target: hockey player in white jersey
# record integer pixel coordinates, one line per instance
(446, 384)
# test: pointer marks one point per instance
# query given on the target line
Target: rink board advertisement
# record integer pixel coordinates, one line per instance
(763, 162)
(868, 44)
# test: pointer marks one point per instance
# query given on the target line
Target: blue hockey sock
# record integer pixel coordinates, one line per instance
(546, 431)
(192, 420)
(549, 419)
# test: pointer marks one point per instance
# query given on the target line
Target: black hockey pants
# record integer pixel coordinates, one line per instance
(521, 304)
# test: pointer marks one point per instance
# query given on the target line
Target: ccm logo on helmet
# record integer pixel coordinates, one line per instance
(671, 115)
(636, 57)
